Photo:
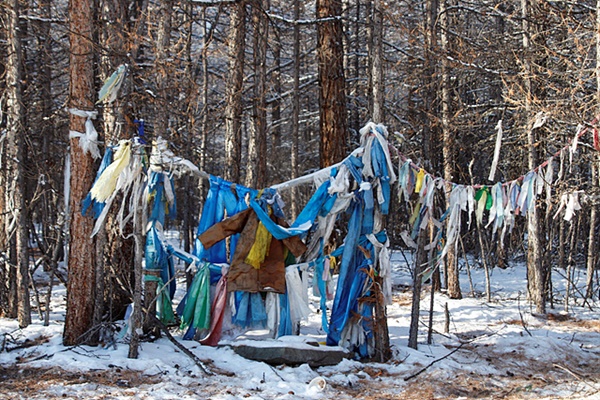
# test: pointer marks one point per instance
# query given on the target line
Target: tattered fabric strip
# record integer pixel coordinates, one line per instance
(88, 141)
(496, 151)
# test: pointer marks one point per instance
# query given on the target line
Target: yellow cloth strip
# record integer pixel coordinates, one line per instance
(106, 183)
(260, 249)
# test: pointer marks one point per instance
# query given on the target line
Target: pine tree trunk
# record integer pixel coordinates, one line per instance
(332, 95)
(276, 121)
(536, 282)
(454, 291)
(136, 316)
(591, 261)
(376, 75)
(295, 109)
(413, 332)
(380, 328)
(235, 82)
(47, 131)
(591, 250)
(356, 87)
(163, 36)
(81, 293)
(15, 130)
(429, 125)
(161, 128)
(256, 170)
(4, 238)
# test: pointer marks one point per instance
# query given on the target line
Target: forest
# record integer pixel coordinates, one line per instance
(490, 98)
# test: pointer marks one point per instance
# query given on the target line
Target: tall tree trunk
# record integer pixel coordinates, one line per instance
(189, 196)
(376, 95)
(5, 265)
(413, 332)
(333, 121)
(429, 89)
(591, 261)
(161, 127)
(205, 117)
(111, 37)
(235, 83)
(355, 118)
(81, 293)
(454, 291)
(295, 108)
(591, 250)
(537, 292)
(16, 159)
(163, 40)
(256, 171)
(276, 122)
(4, 220)
(136, 315)
(47, 131)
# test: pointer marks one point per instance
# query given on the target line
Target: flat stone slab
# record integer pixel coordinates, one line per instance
(290, 350)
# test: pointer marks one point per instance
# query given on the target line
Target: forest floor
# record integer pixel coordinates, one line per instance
(495, 350)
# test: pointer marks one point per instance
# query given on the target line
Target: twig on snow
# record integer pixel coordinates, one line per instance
(186, 351)
(596, 390)
(433, 362)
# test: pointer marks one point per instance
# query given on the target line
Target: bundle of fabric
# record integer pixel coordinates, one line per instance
(159, 268)
(224, 199)
(361, 186)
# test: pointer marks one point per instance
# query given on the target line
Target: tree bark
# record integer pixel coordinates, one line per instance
(536, 286)
(136, 316)
(413, 332)
(81, 293)
(16, 160)
(591, 260)
(276, 122)
(333, 122)
(235, 83)
(161, 128)
(355, 119)
(454, 291)
(163, 39)
(295, 109)
(591, 250)
(256, 171)
(376, 76)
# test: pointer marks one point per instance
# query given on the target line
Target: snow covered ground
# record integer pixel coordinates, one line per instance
(492, 350)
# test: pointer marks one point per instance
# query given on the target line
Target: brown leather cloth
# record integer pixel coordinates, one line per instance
(270, 277)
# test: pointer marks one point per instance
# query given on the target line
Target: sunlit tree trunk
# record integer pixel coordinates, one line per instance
(332, 94)
(256, 171)
(235, 82)
(81, 293)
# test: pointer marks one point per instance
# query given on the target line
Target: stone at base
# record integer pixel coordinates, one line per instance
(278, 354)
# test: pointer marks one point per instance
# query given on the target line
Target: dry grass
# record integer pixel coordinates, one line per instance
(561, 320)
(23, 382)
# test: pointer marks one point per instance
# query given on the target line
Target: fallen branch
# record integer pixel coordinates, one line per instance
(576, 376)
(433, 362)
(186, 351)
